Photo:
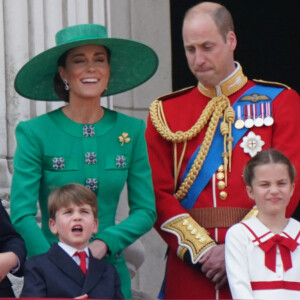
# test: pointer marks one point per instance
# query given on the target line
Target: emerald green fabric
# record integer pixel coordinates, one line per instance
(54, 136)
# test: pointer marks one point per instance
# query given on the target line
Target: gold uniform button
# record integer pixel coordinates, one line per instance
(223, 195)
(221, 185)
(190, 227)
(220, 175)
(221, 168)
(185, 222)
(202, 240)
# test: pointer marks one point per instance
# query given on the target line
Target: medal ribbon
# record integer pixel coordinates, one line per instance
(248, 111)
(254, 111)
(262, 110)
(268, 109)
(239, 112)
(286, 246)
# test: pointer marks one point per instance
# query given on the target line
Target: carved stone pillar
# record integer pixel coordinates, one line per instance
(27, 27)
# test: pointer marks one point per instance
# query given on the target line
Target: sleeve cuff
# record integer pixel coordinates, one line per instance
(190, 235)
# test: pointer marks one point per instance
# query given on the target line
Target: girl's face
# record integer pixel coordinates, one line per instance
(271, 189)
(87, 71)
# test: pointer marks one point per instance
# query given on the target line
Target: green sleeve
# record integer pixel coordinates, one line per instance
(142, 213)
(25, 190)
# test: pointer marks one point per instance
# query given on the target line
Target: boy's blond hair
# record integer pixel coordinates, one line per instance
(71, 193)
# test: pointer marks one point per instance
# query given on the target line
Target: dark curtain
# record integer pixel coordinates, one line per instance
(268, 33)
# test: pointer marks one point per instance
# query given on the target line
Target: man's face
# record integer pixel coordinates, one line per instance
(210, 58)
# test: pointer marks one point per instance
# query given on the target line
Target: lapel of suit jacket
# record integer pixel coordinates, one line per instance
(94, 273)
(66, 264)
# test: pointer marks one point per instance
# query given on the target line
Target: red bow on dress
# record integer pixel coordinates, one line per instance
(286, 245)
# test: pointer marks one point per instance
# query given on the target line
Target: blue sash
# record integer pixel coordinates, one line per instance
(214, 157)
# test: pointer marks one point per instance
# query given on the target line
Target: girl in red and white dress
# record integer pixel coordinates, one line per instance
(262, 253)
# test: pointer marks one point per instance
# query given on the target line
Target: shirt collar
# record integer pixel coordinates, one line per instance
(71, 250)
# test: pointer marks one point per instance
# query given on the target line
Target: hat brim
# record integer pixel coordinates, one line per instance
(131, 64)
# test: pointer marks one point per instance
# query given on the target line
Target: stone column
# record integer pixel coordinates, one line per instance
(147, 21)
(27, 27)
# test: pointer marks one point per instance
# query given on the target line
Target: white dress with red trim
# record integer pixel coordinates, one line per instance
(261, 264)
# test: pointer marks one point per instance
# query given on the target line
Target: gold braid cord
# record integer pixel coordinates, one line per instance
(191, 236)
(213, 112)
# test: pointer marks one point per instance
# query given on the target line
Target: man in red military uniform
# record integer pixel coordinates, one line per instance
(199, 139)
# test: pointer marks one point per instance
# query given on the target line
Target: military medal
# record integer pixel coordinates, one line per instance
(268, 120)
(249, 122)
(239, 124)
(252, 143)
(258, 121)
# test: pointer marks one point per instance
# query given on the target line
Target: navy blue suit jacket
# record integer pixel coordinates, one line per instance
(55, 274)
(10, 240)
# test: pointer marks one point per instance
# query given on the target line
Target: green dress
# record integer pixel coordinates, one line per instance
(52, 151)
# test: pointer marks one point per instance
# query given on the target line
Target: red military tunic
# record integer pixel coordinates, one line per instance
(181, 111)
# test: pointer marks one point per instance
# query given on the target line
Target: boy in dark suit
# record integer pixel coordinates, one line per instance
(12, 253)
(60, 272)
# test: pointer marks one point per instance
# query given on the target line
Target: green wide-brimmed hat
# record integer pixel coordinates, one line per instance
(131, 62)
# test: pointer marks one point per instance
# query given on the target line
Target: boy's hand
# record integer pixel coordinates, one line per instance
(98, 248)
(85, 296)
(8, 261)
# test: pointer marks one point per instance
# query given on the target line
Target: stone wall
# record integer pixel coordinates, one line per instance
(27, 27)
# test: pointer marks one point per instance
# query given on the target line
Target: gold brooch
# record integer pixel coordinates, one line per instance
(124, 138)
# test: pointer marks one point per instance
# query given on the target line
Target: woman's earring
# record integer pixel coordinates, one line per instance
(67, 87)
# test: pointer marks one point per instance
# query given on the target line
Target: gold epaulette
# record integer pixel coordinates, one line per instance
(191, 236)
(271, 83)
(176, 93)
(251, 213)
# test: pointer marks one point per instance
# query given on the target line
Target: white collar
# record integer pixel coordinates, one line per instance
(71, 250)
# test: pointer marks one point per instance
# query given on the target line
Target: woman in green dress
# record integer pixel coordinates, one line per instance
(83, 142)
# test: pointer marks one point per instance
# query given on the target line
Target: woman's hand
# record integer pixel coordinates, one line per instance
(99, 249)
